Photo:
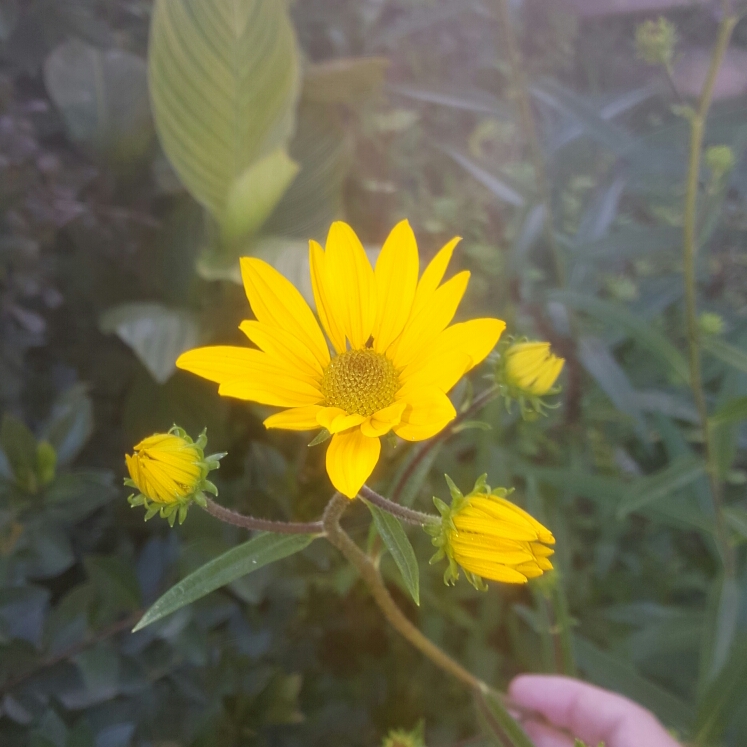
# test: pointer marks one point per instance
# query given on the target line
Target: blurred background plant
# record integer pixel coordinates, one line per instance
(557, 139)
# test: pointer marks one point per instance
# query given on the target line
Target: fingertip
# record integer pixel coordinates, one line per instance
(544, 736)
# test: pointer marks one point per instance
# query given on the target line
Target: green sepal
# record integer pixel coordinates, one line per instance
(321, 437)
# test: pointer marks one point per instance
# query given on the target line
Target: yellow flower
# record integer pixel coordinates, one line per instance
(394, 356)
(489, 537)
(531, 368)
(170, 470)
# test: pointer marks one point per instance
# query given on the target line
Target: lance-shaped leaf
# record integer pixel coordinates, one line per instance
(259, 551)
(396, 541)
(224, 78)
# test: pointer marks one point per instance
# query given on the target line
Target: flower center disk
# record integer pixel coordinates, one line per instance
(360, 382)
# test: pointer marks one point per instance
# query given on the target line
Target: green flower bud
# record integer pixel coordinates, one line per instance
(720, 160)
(710, 323)
(655, 42)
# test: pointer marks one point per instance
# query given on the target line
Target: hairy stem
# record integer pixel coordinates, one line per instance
(418, 518)
(262, 525)
(529, 128)
(690, 248)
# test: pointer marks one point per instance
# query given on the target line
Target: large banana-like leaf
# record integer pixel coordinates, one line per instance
(224, 78)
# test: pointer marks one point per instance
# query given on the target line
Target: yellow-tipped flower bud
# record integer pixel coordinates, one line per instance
(170, 472)
(527, 371)
(489, 537)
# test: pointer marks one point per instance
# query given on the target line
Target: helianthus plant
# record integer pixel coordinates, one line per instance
(379, 357)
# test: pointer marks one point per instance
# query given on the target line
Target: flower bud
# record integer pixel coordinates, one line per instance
(527, 371)
(404, 738)
(711, 323)
(720, 160)
(655, 42)
(489, 537)
(170, 472)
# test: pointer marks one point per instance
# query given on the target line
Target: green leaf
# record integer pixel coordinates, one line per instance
(606, 670)
(573, 105)
(396, 541)
(597, 359)
(70, 423)
(498, 724)
(253, 195)
(495, 184)
(720, 629)
(314, 199)
(224, 79)
(723, 697)
(158, 335)
(473, 100)
(736, 518)
(19, 445)
(344, 80)
(725, 352)
(103, 98)
(678, 475)
(731, 412)
(259, 551)
(639, 329)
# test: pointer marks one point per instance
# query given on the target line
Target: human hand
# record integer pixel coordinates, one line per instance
(589, 713)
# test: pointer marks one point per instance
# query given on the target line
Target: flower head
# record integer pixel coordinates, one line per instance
(170, 472)
(489, 537)
(394, 352)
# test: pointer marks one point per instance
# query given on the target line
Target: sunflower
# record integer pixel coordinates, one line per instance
(394, 356)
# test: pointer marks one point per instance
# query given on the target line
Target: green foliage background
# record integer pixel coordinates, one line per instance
(381, 109)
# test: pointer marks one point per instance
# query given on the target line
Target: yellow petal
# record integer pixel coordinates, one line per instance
(531, 570)
(132, 468)
(466, 545)
(335, 420)
(381, 422)
(320, 284)
(424, 327)
(283, 347)
(251, 374)
(350, 284)
(433, 275)
(428, 411)
(396, 277)
(271, 388)
(295, 419)
(276, 302)
(351, 458)
(455, 351)
(494, 572)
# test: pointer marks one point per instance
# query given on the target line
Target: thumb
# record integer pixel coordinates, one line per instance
(588, 712)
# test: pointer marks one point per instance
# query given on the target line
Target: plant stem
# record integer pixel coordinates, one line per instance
(418, 518)
(394, 615)
(397, 619)
(262, 525)
(697, 132)
(478, 403)
(530, 132)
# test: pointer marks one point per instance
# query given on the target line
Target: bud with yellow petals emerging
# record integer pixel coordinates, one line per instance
(527, 371)
(489, 537)
(170, 472)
